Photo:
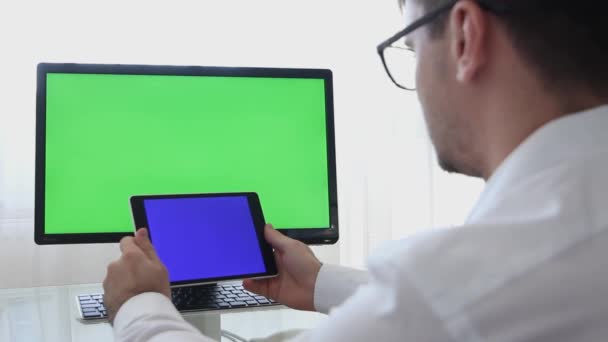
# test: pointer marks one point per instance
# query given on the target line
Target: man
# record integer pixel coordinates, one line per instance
(513, 91)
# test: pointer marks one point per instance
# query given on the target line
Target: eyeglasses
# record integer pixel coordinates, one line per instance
(399, 60)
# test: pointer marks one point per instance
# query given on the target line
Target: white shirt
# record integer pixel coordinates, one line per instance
(530, 264)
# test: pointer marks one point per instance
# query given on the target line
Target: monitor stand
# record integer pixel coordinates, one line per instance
(208, 322)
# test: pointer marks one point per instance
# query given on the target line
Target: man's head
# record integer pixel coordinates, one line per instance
(490, 72)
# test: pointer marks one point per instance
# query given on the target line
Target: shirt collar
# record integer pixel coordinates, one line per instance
(565, 139)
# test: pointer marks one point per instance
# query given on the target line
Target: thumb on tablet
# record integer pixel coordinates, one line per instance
(143, 241)
(275, 239)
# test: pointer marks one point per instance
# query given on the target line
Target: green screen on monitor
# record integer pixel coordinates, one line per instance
(109, 136)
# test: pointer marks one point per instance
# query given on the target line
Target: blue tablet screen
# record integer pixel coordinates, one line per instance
(200, 238)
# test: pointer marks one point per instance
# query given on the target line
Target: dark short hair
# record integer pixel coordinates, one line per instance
(438, 25)
(565, 40)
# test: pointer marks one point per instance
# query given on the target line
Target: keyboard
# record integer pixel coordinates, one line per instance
(186, 299)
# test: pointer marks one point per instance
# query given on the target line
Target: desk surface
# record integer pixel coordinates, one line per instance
(49, 314)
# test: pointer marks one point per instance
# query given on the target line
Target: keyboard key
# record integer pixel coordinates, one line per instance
(91, 315)
(224, 305)
(263, 301)
(238, 304)
(251, 302)
(88, 306)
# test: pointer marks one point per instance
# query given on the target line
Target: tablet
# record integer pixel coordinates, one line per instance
(206, 238)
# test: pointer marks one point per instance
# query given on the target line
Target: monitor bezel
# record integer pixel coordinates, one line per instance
(313, 236)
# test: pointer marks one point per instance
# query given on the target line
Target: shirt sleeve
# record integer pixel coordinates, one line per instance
(151, 317)
(387, 308)
(335, 284)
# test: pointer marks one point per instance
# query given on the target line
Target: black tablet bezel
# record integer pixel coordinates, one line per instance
(317, 236)
(140, 220)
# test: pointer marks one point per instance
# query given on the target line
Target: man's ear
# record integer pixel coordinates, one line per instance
(468, 30)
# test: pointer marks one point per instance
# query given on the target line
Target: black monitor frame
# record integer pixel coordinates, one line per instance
(315, 236)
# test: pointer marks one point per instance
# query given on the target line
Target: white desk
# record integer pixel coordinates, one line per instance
(49, 314)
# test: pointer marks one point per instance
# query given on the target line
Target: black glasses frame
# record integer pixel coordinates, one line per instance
(425, 19)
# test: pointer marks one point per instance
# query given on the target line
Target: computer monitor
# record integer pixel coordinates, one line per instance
(107, 132)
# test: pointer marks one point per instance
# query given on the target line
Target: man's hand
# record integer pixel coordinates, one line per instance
(137, 271)
(298, 269)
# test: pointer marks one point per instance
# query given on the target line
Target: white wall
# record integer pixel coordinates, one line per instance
(388, 185)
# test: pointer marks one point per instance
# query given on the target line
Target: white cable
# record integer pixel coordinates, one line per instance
(232, 336)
